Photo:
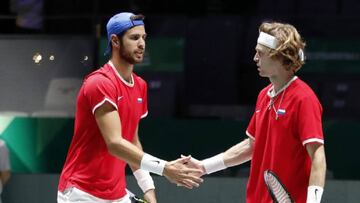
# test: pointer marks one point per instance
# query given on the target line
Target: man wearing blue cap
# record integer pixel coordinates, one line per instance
(110, 104)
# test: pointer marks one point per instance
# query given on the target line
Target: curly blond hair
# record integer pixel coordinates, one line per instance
(290, 44)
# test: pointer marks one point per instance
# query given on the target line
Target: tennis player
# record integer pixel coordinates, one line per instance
(285, 132)
(110, 104)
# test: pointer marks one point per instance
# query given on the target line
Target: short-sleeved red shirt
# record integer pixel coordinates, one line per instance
(279, 144)
(89, 166)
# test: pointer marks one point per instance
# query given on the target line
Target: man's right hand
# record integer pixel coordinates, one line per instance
(179, 173)
(196, 164)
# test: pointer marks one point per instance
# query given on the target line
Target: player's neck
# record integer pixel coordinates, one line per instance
(280, 82)
(123, 68)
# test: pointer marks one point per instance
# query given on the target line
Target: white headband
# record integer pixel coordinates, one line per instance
(267, 40)
(271, 42)
(301, 55)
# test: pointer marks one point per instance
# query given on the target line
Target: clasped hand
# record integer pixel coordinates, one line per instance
(183, 172)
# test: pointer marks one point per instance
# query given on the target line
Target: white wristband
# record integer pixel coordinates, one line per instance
(314, 194)
(144, 180)
(152, 164)
(215, 163)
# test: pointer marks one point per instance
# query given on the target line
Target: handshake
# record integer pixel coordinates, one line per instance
(187, 171)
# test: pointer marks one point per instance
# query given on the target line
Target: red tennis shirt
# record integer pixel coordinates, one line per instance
(89, 166)
(279, 140)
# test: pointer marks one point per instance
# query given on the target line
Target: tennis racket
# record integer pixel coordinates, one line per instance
(134, 198)
(277, 190)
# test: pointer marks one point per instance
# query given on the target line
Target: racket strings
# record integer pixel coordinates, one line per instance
(277, 189)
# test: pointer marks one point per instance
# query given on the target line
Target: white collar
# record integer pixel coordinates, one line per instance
(271, 92)
(130, 84)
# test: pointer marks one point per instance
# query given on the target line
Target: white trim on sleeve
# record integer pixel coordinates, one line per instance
(102, 102)
(321, 141)
(248, 134)
(144, 115)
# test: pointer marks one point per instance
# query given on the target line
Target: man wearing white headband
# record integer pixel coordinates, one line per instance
(285, 132)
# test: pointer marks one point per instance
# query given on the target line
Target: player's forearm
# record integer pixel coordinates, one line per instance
(318, 168)
(238, 154)
(317, 175)
(142, 177)
(137, 143)
(109, 124)
(150, 196)
(123, 149)
(126, 151)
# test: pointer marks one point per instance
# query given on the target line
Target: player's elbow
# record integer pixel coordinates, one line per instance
(248, 149)
(114, 147)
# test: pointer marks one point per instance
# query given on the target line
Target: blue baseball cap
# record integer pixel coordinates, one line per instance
(118, 24)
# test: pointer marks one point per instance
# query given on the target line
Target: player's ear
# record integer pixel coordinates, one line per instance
(115, 40)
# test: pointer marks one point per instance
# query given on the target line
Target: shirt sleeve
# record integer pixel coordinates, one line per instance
(98, 90)
(309, 121)
(250, 131)
(145, 103)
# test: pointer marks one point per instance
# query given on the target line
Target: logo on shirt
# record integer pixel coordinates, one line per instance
(139, 100)
(120, 97)
(280, 112)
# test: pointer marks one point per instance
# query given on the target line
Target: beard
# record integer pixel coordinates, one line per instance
(129, 57)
